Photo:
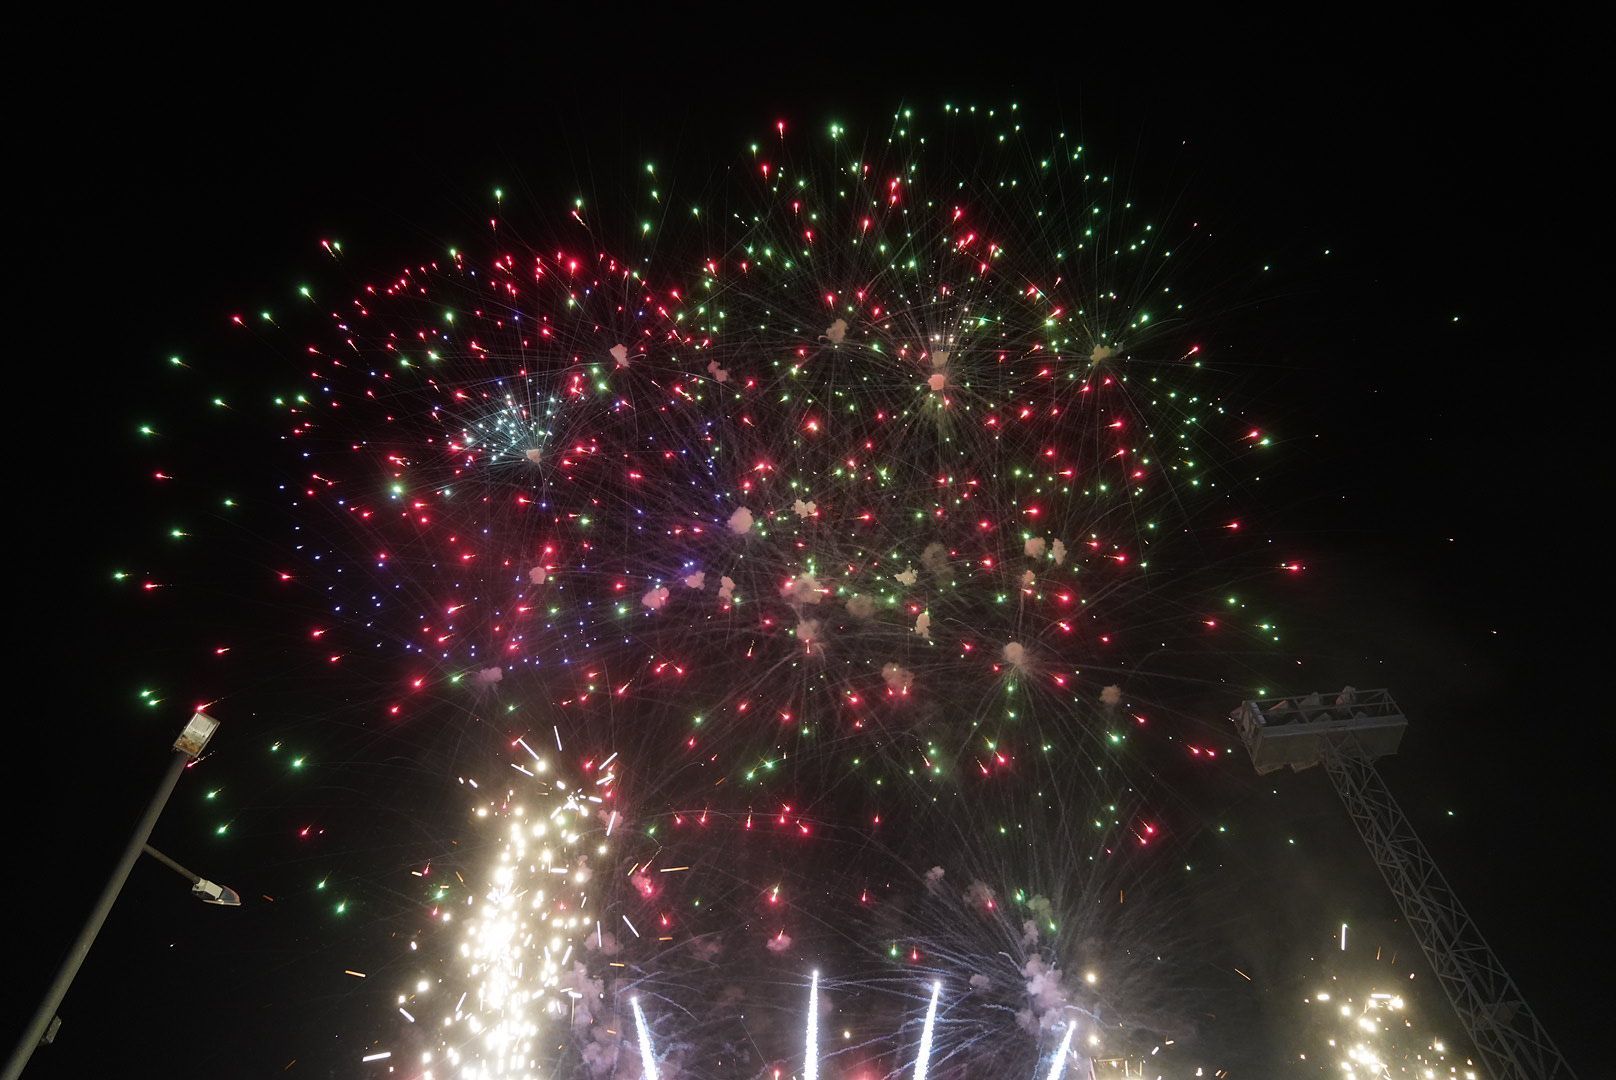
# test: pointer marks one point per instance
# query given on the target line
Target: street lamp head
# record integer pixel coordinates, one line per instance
(209, 893)
(194, 739)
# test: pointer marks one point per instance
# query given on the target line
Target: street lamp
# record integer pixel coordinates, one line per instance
(187, 748)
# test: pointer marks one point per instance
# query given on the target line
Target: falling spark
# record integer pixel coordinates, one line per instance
(810, 1060)
(646, 1057)
(924, 1057)
(1058, 1066)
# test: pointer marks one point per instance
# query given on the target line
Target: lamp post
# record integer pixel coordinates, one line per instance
(187, 748)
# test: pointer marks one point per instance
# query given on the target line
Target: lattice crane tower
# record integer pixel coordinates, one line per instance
(1346, 733)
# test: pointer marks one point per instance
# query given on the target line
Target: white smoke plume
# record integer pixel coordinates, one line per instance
(598, 1042)
(488, 676)
(804, 509)
(726, 588)
(1015, 654)
(779, 943)
(802, 589)
(1028, 579)
(934, 879)
(535, 456)
(589, 1002)
(740, 522)
(923, 625)
(1057, 551)
(718, 373)
(808, 633)
(620, 354)
(939, 359)
(860, 606)
(1111, 696)
(979, 894)
(980, 981)
(1046, 998)
(836, 332)
(898, 678)
(908, 577)
(937, 381)
(707, 947)
(1102, 352)
(696, 580)
(1034, 547)
(935, 558)
(538, 575)
(600, 1051)
(656, 598)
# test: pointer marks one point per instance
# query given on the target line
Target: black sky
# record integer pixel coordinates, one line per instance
(176, 171)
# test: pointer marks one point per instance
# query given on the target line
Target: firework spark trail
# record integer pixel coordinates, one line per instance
(647, 1056)
(1058, 1066)
(923, 1055)
(810, 1057)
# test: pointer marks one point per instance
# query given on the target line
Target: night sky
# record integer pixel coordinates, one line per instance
(174, 176)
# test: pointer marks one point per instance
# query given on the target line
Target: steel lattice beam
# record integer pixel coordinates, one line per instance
(1507, 1035)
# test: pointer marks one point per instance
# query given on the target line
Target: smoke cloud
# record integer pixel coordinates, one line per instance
(1046, 998)
(808, 632)
(981, 895)
(802, 589)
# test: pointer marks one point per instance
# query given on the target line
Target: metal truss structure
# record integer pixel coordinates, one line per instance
(1346, 733)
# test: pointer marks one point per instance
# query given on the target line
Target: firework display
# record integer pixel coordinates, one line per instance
(831, 555)
(1362, 1022)
(527, 937)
